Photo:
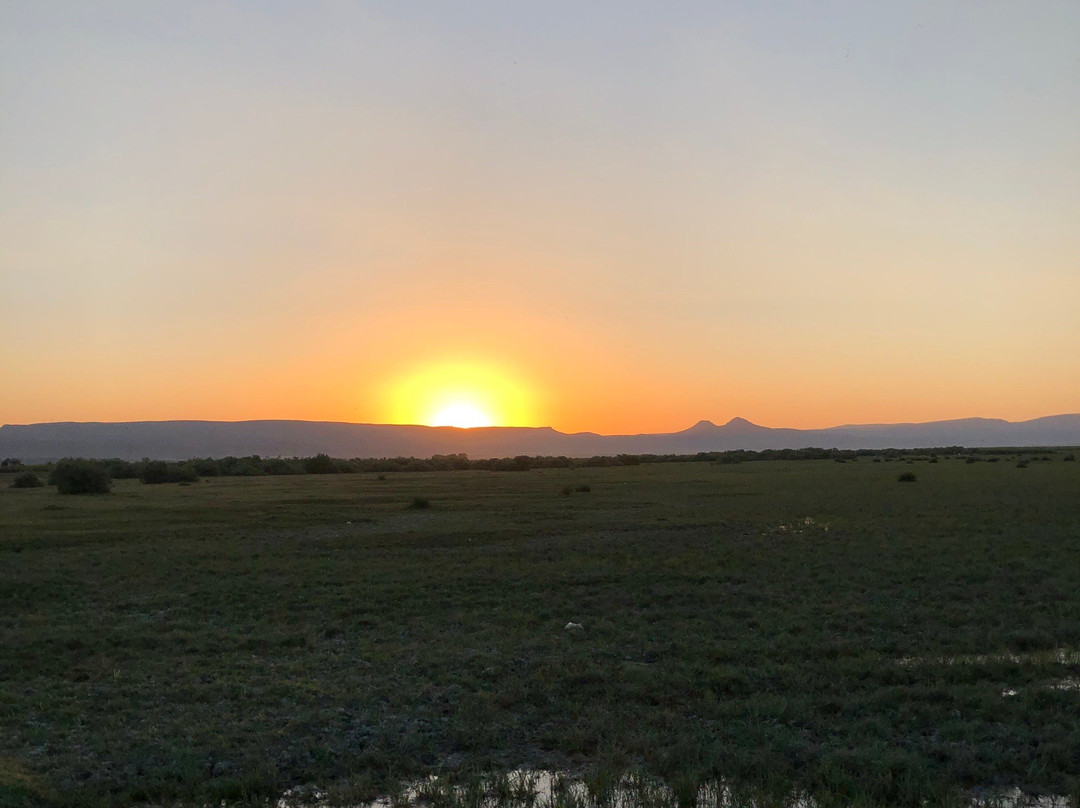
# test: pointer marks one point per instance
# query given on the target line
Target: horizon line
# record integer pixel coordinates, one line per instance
(735, 419)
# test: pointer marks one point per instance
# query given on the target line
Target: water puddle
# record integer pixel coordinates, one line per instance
(1060, 656)
(528, 788)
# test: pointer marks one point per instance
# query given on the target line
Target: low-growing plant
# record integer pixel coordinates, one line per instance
(27, 479)
(78, 476)
(419, 503)
(906, 477)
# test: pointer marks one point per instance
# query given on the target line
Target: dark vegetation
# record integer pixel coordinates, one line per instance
(157, 471)
(77, 476)
(26, 479)
(781, 625)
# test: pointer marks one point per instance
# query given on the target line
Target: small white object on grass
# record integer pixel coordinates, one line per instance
(573, 627)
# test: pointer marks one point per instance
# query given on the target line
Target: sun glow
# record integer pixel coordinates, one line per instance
(462, 394)
(462, 414)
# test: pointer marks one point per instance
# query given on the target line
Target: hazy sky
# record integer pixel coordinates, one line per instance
(612, 216)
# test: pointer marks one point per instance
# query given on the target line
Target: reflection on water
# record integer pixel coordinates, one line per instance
(528, 788)
(1059, 656)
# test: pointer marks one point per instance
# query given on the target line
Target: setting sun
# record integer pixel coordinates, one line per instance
(462, 414)
(462, 394)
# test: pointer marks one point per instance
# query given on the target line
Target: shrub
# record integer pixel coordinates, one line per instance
(155, 472)
(1070, 458)
(278, 465)
(584, 489)
(906, 477)
(566, 490)
(420, 503)
(121, 469)
(205, 466)
(27, 480)
(77, 476)
(249, 466)
(320, 464)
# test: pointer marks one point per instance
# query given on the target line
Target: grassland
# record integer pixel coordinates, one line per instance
(812, 625)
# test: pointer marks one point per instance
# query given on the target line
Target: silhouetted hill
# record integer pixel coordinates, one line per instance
(177, 440)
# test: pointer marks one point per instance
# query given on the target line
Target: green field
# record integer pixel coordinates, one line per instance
(802, 625)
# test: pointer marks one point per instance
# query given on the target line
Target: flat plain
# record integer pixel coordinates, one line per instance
(786, 626)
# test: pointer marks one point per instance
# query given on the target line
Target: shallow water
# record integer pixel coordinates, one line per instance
(529, 788)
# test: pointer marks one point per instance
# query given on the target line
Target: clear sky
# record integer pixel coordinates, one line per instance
(607, 216)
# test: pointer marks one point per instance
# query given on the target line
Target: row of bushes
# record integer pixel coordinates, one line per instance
(79, 476)
(94, 476)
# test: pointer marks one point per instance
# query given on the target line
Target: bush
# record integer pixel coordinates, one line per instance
(420, 502)
(320, 464)
(77, 476)
(27, 480)
(249, 466)
(584, 489)
(278, 465)
(906, 477)
(155, 472)
(205, 466)
(121, 469)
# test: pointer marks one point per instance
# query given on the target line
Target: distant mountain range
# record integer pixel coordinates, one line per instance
(179, 440)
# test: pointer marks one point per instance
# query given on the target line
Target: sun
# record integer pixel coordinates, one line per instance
(461, 414)
(461, 393)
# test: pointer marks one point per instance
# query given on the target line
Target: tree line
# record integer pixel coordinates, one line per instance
(79, 475)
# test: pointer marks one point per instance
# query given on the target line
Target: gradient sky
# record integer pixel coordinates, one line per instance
(630, 216)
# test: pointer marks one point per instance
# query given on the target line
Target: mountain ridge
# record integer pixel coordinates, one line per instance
(182, 439)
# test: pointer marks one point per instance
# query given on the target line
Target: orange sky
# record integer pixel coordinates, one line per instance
(610, 223)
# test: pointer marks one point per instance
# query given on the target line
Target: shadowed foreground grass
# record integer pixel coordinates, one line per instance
(782, 625)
